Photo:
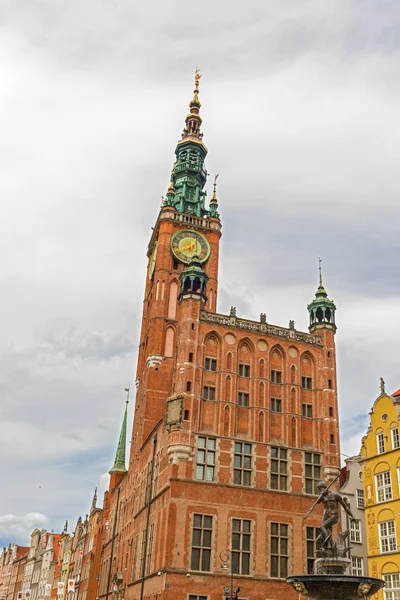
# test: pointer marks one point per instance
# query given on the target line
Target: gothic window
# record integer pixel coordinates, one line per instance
(262, 368)
(157, 289)
(292, 374)
(229, 361)
(261, 394)
(226, 420)
(169, 342)
(162, 290)
(261, 427)
(173, 295)
(228, 388)
(294, 437)
(293, 400)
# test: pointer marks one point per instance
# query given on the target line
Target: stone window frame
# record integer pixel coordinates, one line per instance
(243, 549)
(282, 462)
(314, 466)
(282, 557)
(242, 469)
(208, 451)
(201, 547)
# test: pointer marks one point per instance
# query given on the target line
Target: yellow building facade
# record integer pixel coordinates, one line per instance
(380, 459)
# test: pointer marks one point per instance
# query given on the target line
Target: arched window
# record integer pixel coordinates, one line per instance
(294, 440)
(169, 342)
(261, 394)
(292, 374)
(229, 361)
(162, 290)
(262, 368)
(157, 288)
(226, 420)
(211, 295)
(292, 400)
(261, 427)
(173, 295)
(228, 388)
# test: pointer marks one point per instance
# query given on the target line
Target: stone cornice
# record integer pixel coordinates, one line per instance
(262, 328)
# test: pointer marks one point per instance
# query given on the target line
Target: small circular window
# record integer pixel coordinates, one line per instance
(384, 417)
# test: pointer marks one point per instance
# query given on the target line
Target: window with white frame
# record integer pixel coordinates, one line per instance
(356, 565)
(355, 531)
(205, 458)
(395, 438)
(392, 586)
(380, 443)
(387, 536)
(360, 499)
(383, 486)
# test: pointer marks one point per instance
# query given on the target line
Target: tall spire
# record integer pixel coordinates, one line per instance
(119, 462)
(188, 177)
(214, 201)
(94, 501)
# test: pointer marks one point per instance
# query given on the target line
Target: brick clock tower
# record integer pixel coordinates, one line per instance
(235, 422)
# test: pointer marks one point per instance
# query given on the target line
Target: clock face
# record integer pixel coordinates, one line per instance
(185, 244)
(153, 261)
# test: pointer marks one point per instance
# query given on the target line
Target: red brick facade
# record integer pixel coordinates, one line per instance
(271, 412)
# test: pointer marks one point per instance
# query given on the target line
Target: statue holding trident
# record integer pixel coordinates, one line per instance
(331, 501)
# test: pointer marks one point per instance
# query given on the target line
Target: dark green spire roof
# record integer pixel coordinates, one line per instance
(321, 310)
(189, 174)
(119, 462)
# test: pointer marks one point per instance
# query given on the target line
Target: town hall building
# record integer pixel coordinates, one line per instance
(235, 422)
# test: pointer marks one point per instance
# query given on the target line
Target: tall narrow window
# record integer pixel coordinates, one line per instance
(312, 463)
(383, 486)
(360, 499)
(243, 399)
(356, 566)
(173, 295)
(244, 370)
(279, 550)
(292, 374)
(156, 471)
(392, 586)
(355, 531)
(276, 376)
(387, 537)
(201, 543)
(380, 442)
(150, 549)
(241, 548)
(311, 539)
(242, 464)
(169, 342)
(188, 386)
(331, 411)
(395, 438)
(142, 551)
(279, 468)
(205, 458)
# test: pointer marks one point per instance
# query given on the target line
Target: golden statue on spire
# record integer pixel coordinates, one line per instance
(197, 78)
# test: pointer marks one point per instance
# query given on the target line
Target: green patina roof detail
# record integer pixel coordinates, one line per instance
(119, 462)
(189, 174)
(321, 309)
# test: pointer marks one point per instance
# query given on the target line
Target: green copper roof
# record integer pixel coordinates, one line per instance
(119, 462)
(321, 309)
(189, 174)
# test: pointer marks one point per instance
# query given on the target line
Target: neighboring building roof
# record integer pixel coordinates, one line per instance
(343, 476)
(396, 394)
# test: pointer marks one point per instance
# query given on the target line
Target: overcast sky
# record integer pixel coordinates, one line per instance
(300, 114)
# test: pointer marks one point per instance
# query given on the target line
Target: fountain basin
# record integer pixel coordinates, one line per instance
(335, 587)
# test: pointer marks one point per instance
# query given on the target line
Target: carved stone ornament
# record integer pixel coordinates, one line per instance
(300, 587)
(364, 588)
(174, 411)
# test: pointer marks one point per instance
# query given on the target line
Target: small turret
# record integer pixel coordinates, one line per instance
(321, 310)
(94, 501)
